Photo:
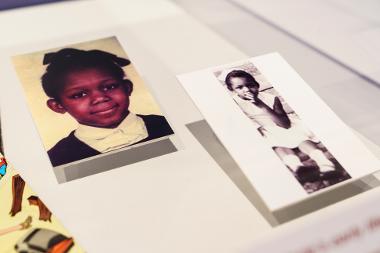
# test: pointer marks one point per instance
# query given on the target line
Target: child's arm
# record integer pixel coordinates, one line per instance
(282, 116)
(277, 113)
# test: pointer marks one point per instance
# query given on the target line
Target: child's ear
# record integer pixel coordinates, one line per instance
(128, 86)
(54, 105)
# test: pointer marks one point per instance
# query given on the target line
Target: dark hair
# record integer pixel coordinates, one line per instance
(66, 60)
(241, 74)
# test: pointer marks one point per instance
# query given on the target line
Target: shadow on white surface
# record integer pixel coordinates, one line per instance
(204, 134)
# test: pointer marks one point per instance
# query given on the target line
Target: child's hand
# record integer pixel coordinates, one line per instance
(249, 96)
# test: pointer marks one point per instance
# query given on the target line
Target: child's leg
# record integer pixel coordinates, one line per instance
(312, 150)
(289, 158)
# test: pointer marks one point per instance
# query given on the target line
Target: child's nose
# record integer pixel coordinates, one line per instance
(98, 97)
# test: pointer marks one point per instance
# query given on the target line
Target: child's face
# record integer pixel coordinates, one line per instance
(94, 97)
(244, 90)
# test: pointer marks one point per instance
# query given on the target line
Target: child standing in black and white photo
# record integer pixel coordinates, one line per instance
(286, 133)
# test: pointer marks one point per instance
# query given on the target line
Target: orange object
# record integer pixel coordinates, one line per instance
(62, 247)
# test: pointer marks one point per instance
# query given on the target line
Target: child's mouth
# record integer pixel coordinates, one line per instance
(105, 111)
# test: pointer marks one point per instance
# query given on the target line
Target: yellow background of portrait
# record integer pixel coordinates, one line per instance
(54, 126)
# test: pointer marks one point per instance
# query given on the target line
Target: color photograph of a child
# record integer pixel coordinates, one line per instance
(298, 148)
(87, 99)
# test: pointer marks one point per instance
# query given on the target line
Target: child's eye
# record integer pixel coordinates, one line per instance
(110, 86)
(78, 95)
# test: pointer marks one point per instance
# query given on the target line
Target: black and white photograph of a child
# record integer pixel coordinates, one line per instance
(91, 100)
(297, 147)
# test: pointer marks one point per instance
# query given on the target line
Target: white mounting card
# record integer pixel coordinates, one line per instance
(286, 140)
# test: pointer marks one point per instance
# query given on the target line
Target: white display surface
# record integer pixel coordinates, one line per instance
(347, 31)
(357, 230)
(268, 175)
(182, 202)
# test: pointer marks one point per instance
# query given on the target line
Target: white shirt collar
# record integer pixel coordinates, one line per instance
(131, 130)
